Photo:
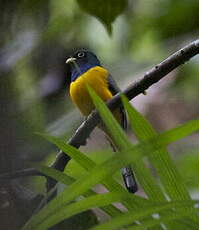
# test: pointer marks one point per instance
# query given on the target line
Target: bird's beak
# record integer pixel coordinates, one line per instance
(71, 60)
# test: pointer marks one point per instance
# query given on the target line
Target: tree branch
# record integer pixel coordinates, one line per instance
(82, 133)
(150, 77)
(20, 173)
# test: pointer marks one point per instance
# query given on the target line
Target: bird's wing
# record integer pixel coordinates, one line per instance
(114, 90)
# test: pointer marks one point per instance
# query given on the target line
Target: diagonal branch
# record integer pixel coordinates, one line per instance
(150, 77)
(82, 133)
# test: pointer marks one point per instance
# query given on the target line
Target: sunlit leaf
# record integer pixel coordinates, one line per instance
(67, 180)
(102, 171)
(161, 160)
(69, 210)
(107, 168)
(148, 183)
(130, 217)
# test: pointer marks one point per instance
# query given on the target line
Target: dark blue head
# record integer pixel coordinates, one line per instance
(80, 62)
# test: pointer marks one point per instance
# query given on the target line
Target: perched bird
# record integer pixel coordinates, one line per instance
(85, 69)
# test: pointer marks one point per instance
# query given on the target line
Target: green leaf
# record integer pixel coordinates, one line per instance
(88, 165)
(117, 133)
(69, 210)
(180, 221)
(189, 162)
(168, 218)
(148, 183)
(106, 169)
(131, 216)
(102, 171)
(105, 11)
(161, 160)
(146, 180)
(67, 180)
(80, 186)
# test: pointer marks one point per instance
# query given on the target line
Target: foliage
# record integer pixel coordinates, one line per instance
(151, 146)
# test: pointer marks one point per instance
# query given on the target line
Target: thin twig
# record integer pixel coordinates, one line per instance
(20, 173)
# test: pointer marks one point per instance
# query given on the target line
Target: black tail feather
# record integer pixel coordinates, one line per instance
(127, 172)
(129, 179)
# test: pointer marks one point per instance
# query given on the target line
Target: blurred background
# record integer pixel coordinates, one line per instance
(129, 37)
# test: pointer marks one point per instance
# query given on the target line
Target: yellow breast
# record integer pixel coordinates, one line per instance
(97, 78)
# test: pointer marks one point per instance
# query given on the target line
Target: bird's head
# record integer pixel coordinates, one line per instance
(80, 62)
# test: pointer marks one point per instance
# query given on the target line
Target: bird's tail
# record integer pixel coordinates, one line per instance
(129, 179)
(127, 173)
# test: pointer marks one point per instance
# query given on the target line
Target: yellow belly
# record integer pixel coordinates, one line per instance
(97, 78)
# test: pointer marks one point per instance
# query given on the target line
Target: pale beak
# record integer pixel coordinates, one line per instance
(71, 60)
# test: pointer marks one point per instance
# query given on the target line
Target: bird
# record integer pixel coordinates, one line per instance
(85, 69)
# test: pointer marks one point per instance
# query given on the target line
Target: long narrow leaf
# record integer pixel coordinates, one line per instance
(88, 164)
(129, 217)
(67, 211)
(109, 167)
(67, 180)
(121, 141)
(168, 218)
(147, 182)
(161, 160)
(116, 131)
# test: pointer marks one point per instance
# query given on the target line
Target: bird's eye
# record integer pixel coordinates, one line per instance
(81, 54)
